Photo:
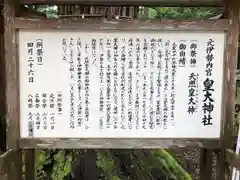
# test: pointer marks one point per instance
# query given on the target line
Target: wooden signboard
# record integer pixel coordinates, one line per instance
(130, 82)
(51, 53)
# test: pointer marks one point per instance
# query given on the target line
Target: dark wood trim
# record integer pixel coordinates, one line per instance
(103, 24)
(165, 3)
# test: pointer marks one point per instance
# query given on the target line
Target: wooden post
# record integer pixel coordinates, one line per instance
(12, 93)
(206, 164)
(29, 161)
(232, 13)
(2, 84)
(231, 67)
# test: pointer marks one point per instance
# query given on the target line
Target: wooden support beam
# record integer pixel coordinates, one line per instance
(11, 75)
(206, 164)
(103, 24)
(233, 15)
(29, 161)
(11, 85)
(232, 12)
(132, 2)
(2, 84)
(221, 165)
(105, 143)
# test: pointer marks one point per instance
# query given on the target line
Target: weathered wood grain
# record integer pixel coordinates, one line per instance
(103, 24)
(11, 8)
(230, 70)
(228, 110)
(11, 75)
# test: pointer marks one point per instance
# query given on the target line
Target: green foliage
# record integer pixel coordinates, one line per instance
(62, 165)
(139, 164)
(53, 164)
(171, 165)
(181, 13)
(50, 11)
(105, 162)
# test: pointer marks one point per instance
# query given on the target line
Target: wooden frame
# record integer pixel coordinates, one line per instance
(12, 102)
(86, 24)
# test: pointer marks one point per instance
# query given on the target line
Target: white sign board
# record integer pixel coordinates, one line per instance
(120, 84)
